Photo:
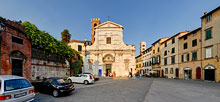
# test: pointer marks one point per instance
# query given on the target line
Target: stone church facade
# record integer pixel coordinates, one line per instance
(108, 52)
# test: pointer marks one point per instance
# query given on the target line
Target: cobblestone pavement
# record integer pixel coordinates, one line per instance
(144, 90)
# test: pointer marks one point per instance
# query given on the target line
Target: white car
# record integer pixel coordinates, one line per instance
(81, 78)
(15, 89)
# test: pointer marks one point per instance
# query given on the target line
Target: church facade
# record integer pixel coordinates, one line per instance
(108, 53)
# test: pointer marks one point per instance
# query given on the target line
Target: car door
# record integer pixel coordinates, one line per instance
(82, 78)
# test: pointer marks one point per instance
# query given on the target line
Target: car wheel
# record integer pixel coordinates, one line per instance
(55, 93)
(86, 82)
(70, 81)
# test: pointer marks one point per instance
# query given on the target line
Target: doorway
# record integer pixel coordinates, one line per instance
(177, 73)
(17, 67)
(198, 73)
(187, 73)
(108, 69)
(210, 74)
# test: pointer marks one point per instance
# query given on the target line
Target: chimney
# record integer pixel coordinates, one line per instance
(205, 13)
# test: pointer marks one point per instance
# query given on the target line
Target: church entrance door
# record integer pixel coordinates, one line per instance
(108, 69)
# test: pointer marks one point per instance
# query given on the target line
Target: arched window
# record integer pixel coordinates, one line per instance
(95, 24)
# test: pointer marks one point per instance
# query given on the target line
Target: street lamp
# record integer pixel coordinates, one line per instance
(217, 57)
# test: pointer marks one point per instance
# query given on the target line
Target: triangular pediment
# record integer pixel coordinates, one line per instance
(109, 24)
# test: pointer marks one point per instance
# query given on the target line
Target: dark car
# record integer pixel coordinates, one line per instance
(54, 86)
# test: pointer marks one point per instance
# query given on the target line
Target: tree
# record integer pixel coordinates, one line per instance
(65, 36)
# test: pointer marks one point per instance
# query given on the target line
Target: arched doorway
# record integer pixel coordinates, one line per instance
(17, 59)
(108, 59)
(209, 73)
(187, 73)
(198, 73)
(162, 73)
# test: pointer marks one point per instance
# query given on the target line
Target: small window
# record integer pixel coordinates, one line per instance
(194, 43)
(166, 70)
(108, 40)
(185, 37)
(194, 56)
(208, 18)
(165, 44)
(208, 33)
(171, 70)
(194, 34)
(208, 52)
(173, 40)
(153, 51)
(173, 50)
(185, 46)
(17, 40)
(165, 61)
(185, 57)
(165, 53)
(158, 49)
(172, 59)
(79, 47)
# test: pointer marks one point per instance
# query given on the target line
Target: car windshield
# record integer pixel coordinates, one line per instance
(60, 81)
(16, 84)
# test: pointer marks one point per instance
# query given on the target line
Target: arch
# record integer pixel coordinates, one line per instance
(210, 72)
(95, 24)
(108, 58)
(17, 54)
(187, 73)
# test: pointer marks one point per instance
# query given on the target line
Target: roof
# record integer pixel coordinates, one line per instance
(211, 12)
(190, 32)
(174, 36)
(138, 56)
(110, 23)
(77, 41)
(7, 77)
(159, 40)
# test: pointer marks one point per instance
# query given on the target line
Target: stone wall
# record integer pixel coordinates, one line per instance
(46, 69)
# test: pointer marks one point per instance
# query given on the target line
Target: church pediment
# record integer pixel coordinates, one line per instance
(109, 24)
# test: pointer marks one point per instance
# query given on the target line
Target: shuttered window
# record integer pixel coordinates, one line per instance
(208, 52)
(208, 34)
(165, 61)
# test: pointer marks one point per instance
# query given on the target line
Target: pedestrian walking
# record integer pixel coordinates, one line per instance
(140, 75)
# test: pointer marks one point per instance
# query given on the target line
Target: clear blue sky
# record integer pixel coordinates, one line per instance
(143, 20)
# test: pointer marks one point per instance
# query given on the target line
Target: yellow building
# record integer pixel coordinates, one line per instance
(190, 55)
(211, 45)
(156, 56)
(139, 66)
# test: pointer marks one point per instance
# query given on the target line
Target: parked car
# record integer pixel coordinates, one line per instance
(15, 89)
(96, 78)
(81, 78)
(55, 86)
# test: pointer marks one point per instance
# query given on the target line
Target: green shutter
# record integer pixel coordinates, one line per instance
(188, 57)
(182, 58)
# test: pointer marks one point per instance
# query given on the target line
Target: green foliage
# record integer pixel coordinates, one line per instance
(44, 41)
(77, 65)
(2, 19)
(65, 36)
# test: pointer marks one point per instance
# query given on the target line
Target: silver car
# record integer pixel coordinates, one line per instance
(15, 89)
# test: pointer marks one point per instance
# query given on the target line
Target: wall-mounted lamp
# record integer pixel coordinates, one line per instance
(217, 57)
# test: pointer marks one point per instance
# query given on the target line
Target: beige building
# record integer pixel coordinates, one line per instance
(108, 53)
(156, 58)
(142, 47)
(169, 56)
(211, 45)
(190, 55)
(77, 45)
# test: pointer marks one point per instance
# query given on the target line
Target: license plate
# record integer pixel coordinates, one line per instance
(20, 95)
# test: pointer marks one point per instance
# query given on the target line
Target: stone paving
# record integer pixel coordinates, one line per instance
(144, 90)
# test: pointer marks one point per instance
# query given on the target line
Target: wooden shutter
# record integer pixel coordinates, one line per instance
(208, 52)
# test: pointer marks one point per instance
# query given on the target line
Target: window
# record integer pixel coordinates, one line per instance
(16, 84)
(165, 44)
(143, 45)
(158, 59)
(17, 40)
(171, 70)
(153, 51)
(194, 43)
(185, 57)
(158, 49)
(208, 18)
(165, 61)
(172, 59)
(173, 40)
(79, 47)
(108, 40)
(185, 37)
(166, 70)
(173, 50)
(165, 53)
(208, 34)
(194, 34)
(208, 52)
(194, 56)
(185, 46)
(153, 60)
